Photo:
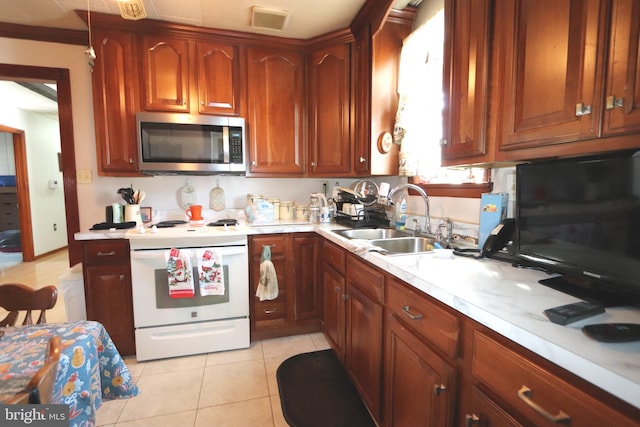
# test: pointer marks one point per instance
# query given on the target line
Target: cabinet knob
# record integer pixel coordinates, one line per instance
(254, 163)
(130, 161)
(470, 420)
(444, 141)
(122, 277)
(362, 159)
(439, 388)
(313, 164)
(337, 288)
(526, 395)
(613, 102)
(582, 110)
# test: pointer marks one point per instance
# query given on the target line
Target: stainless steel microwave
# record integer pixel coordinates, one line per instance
(191, 144)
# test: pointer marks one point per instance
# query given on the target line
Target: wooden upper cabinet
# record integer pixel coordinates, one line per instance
(275, 87)
(330, 110)
(218, 78)
(622, 95)
(115, 103)
(466, 81)
(550, 95)
(165, 74)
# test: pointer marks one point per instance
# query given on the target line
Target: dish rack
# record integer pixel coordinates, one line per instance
(372, 215)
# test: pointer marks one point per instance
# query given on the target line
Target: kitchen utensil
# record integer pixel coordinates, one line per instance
(127, 195)
(216, 198)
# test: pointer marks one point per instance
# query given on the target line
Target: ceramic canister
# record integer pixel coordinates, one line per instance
(276, 206)
(286, 209)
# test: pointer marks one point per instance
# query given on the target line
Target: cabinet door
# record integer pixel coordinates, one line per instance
(550, 75)
(334, 310)
(306, 282)
(268, 314)
(622, 114)
(364, 347)
(419, 385)
(109, 301)
(275, 84)
(362, 82)
(466, 79)
(115, 103)
(218, 78)
(165, 72)
(330, 110)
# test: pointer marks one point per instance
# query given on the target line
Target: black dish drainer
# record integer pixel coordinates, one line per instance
(372, 215)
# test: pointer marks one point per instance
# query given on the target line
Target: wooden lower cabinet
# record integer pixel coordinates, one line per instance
(420, 387)
(363, 346)
(417, 362)
(107, 287)
(298, 307)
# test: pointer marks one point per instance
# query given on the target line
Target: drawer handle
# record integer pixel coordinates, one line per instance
(525, 395)
(470, 420)
(273, 310)
(112, 253)
(439, 388)
(407, 311)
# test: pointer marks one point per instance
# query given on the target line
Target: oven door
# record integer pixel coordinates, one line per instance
(153, 305)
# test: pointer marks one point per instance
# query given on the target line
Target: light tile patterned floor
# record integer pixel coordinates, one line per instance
(226, 389)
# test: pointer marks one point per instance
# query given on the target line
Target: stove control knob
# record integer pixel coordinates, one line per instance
(154, 229)
(141, 230)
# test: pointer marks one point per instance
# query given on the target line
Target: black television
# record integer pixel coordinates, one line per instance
(580, 217)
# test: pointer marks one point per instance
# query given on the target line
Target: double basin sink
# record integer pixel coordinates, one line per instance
(391, 240)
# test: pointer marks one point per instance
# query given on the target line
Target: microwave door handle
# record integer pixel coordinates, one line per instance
(225, 143)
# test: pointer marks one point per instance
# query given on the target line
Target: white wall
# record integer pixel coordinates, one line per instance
(42, 137)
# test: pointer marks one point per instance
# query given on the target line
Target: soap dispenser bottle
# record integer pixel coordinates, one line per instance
(401, 212)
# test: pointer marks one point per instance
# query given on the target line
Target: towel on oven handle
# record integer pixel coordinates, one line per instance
(210, 272)
(180, 275)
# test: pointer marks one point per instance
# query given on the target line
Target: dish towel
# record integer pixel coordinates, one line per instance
(179, 273)
(210, 272)
(268, 283)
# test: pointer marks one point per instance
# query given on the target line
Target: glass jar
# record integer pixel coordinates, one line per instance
(286, 209)
(276, 207)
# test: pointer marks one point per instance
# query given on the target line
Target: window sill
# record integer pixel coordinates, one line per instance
(453, 190)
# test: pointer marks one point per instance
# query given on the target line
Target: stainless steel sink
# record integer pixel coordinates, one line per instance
(404, 245)
(372, 233)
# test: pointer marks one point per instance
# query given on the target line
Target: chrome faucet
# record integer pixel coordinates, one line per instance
(427, 216)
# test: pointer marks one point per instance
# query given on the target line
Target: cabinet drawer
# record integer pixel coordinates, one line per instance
(366, 278)
(437, 325)
(541, 397)
(276, 243)
(266, 310)
(334, 256)
(106, 252)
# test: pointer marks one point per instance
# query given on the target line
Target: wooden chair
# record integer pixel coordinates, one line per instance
(16, 297)
(40, 387)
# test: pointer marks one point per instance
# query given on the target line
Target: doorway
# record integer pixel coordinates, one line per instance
(67, 155)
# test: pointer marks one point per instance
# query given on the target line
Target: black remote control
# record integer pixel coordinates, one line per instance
(570, 313)
(613, 332)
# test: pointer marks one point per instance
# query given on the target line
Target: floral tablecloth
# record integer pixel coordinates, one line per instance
(90, 367)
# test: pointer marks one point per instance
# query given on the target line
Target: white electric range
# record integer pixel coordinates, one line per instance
(211, 318)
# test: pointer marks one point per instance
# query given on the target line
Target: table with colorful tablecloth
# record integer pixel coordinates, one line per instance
(90, 369)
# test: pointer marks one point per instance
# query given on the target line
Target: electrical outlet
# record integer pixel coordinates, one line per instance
(83, 176)
(325, 188)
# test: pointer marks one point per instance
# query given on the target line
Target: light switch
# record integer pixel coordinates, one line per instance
(83, 176)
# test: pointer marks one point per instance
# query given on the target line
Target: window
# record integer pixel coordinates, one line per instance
(419, 118)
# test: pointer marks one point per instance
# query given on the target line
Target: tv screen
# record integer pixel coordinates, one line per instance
(580, 217)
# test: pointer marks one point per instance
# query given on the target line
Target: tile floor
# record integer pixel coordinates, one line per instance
(225, 389)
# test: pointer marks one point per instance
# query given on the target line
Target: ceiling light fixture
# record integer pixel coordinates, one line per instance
(268, 19)
(132, 9)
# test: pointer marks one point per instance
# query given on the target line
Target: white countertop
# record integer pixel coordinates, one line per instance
(511, 302)
(506, 299)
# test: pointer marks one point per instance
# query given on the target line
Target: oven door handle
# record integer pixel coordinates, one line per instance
(160, 253)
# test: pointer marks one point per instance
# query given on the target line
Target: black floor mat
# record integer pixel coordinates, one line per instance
(315, 391)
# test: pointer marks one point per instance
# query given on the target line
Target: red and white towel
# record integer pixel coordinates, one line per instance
(210, 272)
(180, 273)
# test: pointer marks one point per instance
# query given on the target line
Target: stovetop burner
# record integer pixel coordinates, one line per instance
(223, 222)
(169, 224)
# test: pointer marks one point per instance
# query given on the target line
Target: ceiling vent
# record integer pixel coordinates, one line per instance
(268, 19)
